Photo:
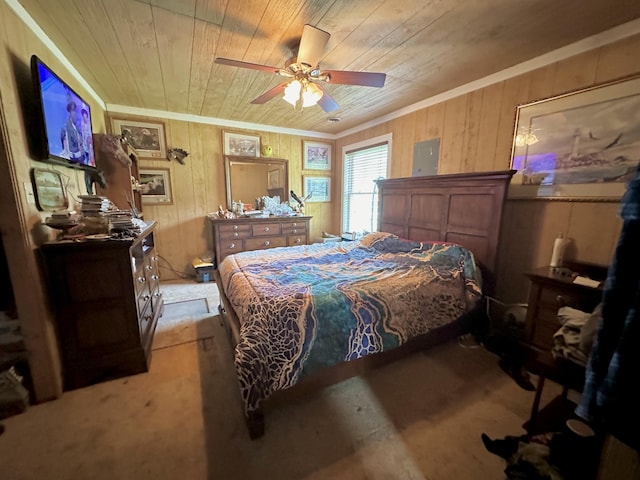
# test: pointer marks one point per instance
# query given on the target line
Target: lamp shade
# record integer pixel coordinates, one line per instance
(292, 92)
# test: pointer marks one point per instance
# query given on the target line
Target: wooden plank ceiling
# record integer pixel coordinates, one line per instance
(158, 54)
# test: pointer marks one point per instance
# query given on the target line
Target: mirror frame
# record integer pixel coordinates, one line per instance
(228, 159)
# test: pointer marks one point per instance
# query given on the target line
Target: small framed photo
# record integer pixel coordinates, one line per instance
(319, 188)
(317, 156)
(240, 144)
(155, 186)
(146, 137)
(48, 190)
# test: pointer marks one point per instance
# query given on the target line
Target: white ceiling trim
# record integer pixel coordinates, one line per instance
(35, 28)
(604, 38)
(186, 117)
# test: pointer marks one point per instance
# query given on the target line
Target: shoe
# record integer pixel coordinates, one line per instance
(518, 373)
(504, 448)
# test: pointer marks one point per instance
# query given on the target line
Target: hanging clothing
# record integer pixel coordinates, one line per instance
(611, 395)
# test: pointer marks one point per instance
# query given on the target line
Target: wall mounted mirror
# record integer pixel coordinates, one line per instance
(248, 178)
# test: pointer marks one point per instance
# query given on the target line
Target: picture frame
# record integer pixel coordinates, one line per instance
(584, 145)
(316, 155)
(318, 187)
(154, 185)
(147, 137)
(241, 144)
(48, 190)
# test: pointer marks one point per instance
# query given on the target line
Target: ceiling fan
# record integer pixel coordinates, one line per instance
(304, 73)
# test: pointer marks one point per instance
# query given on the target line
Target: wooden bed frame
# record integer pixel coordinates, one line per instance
(460, 208)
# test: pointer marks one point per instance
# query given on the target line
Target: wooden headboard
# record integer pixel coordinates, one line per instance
(463, 208)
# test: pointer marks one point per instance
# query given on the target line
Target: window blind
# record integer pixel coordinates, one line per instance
(359, 197)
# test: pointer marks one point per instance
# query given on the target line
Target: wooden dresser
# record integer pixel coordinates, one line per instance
(107, 301)
(242, 234)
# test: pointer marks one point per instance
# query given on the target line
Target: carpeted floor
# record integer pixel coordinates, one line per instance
(417, 419)
(184, 321)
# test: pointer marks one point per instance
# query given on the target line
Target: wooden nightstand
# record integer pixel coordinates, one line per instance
(552, 288)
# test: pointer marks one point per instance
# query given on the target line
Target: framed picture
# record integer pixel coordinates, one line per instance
(146, 137)
(583, 145)
(318, 187)
(316, 156)
(48, 190)
(239, 144)
(155, 186)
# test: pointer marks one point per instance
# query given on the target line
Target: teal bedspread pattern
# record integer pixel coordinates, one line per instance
(306, 307)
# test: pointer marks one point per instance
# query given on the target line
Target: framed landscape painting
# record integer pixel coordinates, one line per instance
(583, 145)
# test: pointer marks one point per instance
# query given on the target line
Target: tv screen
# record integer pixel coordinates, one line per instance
(65, 120)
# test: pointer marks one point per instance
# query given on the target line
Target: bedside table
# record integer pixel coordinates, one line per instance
(552, 288)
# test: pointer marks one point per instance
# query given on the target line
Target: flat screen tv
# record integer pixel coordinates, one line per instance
(64, 120)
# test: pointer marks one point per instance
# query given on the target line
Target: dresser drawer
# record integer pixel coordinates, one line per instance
(228, 232)
(293, 240)
(298, 230)
(263, 229)
(560, 297)
(227, 247)
(261, 243)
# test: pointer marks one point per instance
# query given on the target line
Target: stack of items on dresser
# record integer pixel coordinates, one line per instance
(123, 225)
(100, 213)
(63, 219)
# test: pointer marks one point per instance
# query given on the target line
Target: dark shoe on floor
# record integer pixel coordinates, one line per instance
(518, 373)
(503, 448)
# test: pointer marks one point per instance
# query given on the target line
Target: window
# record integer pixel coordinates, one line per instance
(363, 164)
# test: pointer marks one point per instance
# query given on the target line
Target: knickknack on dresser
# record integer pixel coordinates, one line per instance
(107, 301)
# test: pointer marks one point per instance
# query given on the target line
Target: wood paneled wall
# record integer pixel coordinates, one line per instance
(476, 133)
(183, 232)
(20, 221)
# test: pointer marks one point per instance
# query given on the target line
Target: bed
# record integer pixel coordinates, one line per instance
(306, 316)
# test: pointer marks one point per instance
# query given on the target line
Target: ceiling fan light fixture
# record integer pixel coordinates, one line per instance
(311, 95)
(292, 92)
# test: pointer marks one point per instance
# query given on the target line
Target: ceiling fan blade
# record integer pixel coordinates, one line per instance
(327, 103)
(312, 45)
(253, 66)
(344, 77)
(269, 94)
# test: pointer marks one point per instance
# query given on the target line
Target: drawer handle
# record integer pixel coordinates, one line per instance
(295, 224)
(266, 229)
(235, 227)
(154, 277)
(157, 294)
(236, 234)
(267, 243)
(232, 245)
(154, 259)
(141, 279)
(146, 297)
(561, 301)
(149, 267)
(298, 240)
(295, 231)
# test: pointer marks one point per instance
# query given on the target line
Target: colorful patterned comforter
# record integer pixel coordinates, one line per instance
(306, 307)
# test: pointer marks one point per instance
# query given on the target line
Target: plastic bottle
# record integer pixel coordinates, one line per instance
(557, 256)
